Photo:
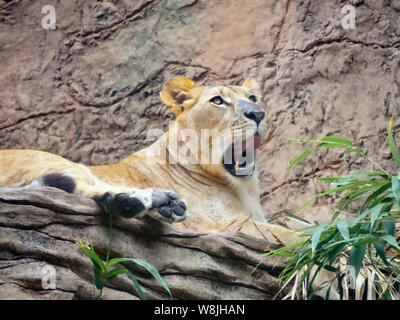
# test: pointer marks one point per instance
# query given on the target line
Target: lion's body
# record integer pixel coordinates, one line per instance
(216, 200)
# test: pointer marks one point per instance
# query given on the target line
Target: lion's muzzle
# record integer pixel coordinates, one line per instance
(251, 111)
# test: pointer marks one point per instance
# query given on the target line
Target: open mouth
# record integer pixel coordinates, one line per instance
(239, 157)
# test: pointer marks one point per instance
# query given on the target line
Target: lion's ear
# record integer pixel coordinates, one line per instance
(252, 85)
(179, 94)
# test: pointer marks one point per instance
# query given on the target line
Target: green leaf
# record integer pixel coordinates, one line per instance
(353, 149)
(331, 146)
(391, 240)
(364, 177)
(365, 240)
(374, 195)
(153, 271)
(330, 139)
(92, 255)
(343, 228)
(356, 258)
(386, 295)
(298, 158)
(328, 142)
(386, 198)
(359, 218)
(112, 274)
(114, 261)
(351, 185)
(334, 252)
(389, 225)
(396, 188)
(316, 236)
(98, 278)
(284, 249)
(352, 196)
(137, 286)
(375, 212)
(328, 179)
(392, 144)
(380, 251)
(306, 204)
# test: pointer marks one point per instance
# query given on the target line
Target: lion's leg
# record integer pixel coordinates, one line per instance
(27, 169)
(163, 205)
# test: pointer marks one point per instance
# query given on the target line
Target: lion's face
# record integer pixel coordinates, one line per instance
(228, 121)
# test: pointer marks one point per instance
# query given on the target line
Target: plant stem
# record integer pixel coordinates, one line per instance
(109, 236)
(108, 248)
(100, 296)
(375, 164)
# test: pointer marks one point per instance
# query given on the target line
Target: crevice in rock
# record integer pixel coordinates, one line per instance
(128, 17)
(38, 116)
(320, 43)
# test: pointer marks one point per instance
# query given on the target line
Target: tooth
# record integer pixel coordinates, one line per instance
(237, 165)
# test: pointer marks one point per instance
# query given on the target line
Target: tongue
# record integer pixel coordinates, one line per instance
(251, 143)
(248, 145)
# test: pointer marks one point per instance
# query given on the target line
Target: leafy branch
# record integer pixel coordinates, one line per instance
(111, 268)
(368, 242)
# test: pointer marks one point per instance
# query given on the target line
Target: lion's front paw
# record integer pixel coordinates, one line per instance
(124, 204)
(167, 206)
(162, 205)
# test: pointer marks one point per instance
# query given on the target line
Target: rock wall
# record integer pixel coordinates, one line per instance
(88, 90)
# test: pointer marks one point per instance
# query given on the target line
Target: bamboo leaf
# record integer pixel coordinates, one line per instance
(365, 240)
(112, 274)
(298, 158)
(374, 195)
(331, 146)
(153, 271)
(284, 249)
(316, 236)
(306, 204)
(380, 251)
(386, 295)
(92, 255)
(98, 278)
(356, 258)
(359, 218)
(375, 212)
(392, 143)
(351, 185)
(343, 228)
(330, 139)
(396, 188)
(353, 149)
(352, 195)
(389, 225)
(114, 261)
(137, 286)
(391, 240)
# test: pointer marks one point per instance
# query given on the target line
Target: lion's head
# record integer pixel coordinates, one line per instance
(220, 127)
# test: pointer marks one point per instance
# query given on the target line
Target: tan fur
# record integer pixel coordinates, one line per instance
(216, 200)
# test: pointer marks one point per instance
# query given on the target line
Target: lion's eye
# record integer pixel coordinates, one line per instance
(217, 100)
(253, 98)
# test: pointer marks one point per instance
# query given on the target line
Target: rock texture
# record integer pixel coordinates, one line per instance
(39, 228)
(88, 90)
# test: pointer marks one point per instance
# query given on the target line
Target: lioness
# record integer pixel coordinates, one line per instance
(220, 195)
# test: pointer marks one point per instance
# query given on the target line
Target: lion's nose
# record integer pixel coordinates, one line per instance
(256, 115)
(251, 111)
